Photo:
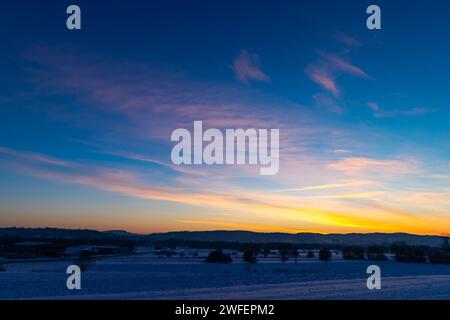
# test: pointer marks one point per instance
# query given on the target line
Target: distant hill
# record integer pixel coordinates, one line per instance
(363, 239)
(54, 233)
(122, 233)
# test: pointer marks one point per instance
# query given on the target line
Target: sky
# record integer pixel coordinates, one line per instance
(86, 115)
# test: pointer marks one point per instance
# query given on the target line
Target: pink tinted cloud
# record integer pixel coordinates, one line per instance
(324, 78)
(35, 157)
(355, 165)
(323, 100)
(154, 102)
(131, 104)
(149, 104)
(379, 112)
(347, 40)
(373, 106)
(246, 68)
(326, 208)
(195, 171)
(339, 64)
(329, 66)
(341, 151)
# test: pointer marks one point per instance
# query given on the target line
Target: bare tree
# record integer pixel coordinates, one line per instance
(249, 256)
(295, 254)
(325, 255)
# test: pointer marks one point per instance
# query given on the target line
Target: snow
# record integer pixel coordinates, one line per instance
(153, 276)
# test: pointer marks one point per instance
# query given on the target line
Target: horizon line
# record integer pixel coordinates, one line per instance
(223, 230)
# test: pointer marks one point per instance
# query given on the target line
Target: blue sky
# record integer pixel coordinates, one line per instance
(86, 115)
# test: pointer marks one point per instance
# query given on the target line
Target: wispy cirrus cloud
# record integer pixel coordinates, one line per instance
(324, 101)
(324, 78)
(328, 186)
(247, 68)
(440, 176)
(338, 63)
(373, 106)
(128, 183)
(325, 211)
(341, 151)
(143, 158)
(347, 39)
(145, 104)
(133, 104)
(35, 157)
(354, 165)
(328, 67)
(379, 112)
(154, 102)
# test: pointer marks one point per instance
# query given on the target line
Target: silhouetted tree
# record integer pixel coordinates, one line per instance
(283, 254)
(170, 253)
(217, 256)
(375, 253)
(310, 254)
(406, 253)
(266, 252)
(439, 257)
(84, 260)
(442, 255)
(295, 254)
(250, 256)
(353, 253)
(445, 246)
(131, 248)
(325, 255)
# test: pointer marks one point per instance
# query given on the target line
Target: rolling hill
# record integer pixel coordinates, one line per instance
(363, 239)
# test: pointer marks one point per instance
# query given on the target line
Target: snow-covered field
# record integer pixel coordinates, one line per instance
(187, 276)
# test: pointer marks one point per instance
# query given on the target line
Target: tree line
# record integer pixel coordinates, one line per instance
(401, 252)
